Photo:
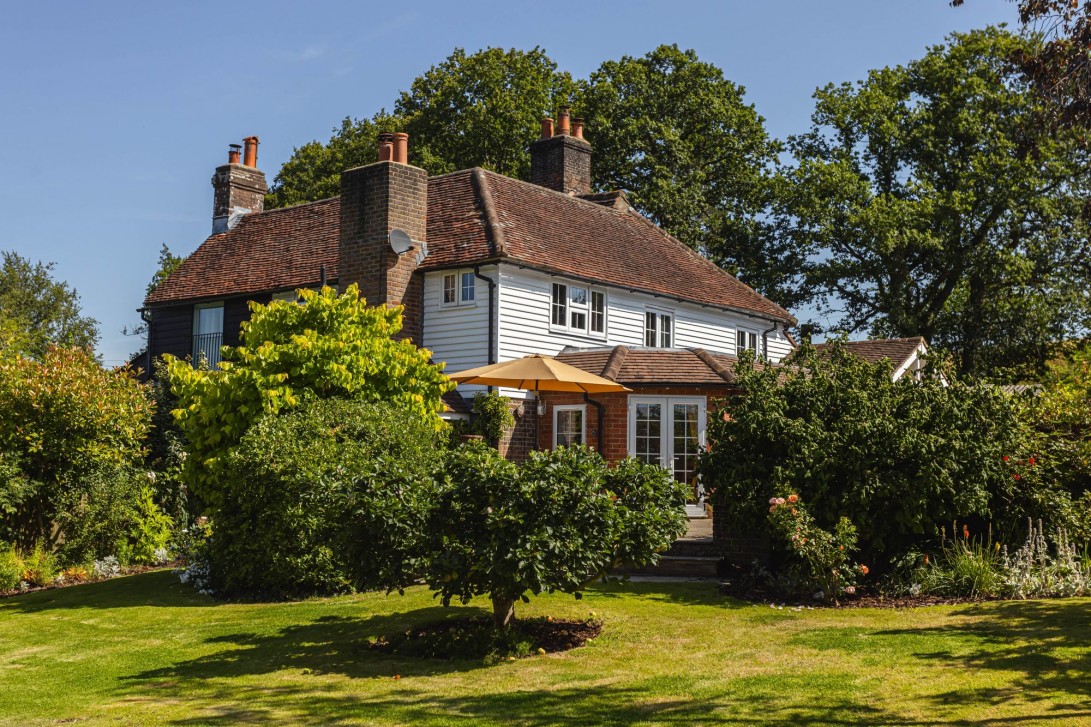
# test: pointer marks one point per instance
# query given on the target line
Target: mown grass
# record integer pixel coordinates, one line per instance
(147, 650)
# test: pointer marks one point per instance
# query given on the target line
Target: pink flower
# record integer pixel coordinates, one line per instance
(772, 508)
(780, 500)
(772, 501)
(850, 590)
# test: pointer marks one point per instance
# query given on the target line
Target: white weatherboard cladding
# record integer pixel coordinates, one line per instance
(457, 335)
(524, 308)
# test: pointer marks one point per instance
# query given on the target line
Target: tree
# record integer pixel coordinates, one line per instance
(932, 203)
(168, 263)
(326, 346)
(557, 522)
(64, 420)
(37, 312)
(694, 157)
(897, 458)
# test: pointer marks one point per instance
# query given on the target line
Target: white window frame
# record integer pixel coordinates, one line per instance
(582, 409)
(213, 356)
(586, 309)
(660, 315)
(460, 300)
(757, 341)
(665, 431)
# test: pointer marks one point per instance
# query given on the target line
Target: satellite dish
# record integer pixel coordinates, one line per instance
(400, 241)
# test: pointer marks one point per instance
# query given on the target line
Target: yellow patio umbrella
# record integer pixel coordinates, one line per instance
(537, 373)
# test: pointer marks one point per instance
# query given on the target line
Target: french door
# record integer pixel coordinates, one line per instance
(668, 431)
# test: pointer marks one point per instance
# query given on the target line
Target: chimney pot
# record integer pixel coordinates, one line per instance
(547, 128)
(564, 117)
(386, 147)
(577, 128)
(233, 153)
(250, 151)
(401, 147)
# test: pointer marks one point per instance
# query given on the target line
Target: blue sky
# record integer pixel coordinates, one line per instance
(113, 115)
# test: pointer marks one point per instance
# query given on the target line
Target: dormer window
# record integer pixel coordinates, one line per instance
(458, 288)
(745, 341)
(658, 329)
(578, 309)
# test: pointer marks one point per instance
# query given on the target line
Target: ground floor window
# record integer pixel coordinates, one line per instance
(669, 431)
(568, 425)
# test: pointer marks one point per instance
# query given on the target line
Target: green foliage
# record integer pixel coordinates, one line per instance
(822, 560)
(39, 566)
(167, 451)
(63, 420)
(963, 567)
(168, 263)
(492, 416)
(933, 202)
(330, 346)
(895, 458)
(1061, 412)
(37, 312)
(11, 568)
(557, 522)
(333, 495)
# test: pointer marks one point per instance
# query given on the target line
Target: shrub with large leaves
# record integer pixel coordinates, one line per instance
(327, 346)
(557, 522)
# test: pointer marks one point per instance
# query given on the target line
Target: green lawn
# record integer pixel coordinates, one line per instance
(145, 649)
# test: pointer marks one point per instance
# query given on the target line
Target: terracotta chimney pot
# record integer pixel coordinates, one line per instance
(577, 128)
(565, 118)
(547, 128)
(250, 151)
(386, 147)
(401, 147)
(233, 154)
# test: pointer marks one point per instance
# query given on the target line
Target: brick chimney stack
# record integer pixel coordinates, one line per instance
(376, 199)
(562, 161)
(238, 188)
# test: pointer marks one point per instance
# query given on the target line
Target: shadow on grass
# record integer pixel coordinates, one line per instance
(156, 588)
(695, 593)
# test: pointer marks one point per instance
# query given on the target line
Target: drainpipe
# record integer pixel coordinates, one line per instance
(765, 340)
(602, 413)
(146, 316)
(492, 291)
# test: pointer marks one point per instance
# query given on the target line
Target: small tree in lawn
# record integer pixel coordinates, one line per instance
(327, 346)
(559, 522)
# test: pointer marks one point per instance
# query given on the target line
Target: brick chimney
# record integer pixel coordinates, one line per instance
(239, 188)
(376, 199)
(562, 161)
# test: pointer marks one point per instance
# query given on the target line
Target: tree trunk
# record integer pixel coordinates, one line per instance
(503, 612)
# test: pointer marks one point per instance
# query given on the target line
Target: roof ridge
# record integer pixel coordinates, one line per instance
(291, 207)
(719, 369)
(614, 363)
(492, 222)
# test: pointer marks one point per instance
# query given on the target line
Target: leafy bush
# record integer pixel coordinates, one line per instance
(821, 560)
(964, 567)
(492, 416)
(63, 419)
(329, 346)
(895, 458)
(11, 569)
(557, 522)
(331, 496)
(39, 566)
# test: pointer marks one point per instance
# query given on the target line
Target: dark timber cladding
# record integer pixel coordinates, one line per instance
(376, 199)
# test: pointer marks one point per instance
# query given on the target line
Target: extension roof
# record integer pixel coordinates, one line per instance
(648, 366)
(474, 216)
(897, 350)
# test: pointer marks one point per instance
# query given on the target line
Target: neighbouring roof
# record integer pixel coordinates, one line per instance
(897, 350)
(645, 366)
(474, 216)
(455, 403)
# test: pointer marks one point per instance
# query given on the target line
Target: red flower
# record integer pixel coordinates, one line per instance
(1005, 458)
(1031, 461)
(1017, 476)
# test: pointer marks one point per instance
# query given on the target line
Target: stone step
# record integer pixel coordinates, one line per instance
(695, 548)
(678, 565)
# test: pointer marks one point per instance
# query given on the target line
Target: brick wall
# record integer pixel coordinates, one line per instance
(561, 163)
(236, 185)
(517, 444)
(376, 199)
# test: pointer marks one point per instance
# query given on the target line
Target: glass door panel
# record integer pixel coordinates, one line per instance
(647, 421)
(685, 442)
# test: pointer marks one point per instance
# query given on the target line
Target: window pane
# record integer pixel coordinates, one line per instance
(578, 296)
(665, 322)
(467, 287)
(449, 288)
(560, 304)
(208, 325)
(210, 320)
(569, 427)
(598, 312)
(651, 334)
(579, 321)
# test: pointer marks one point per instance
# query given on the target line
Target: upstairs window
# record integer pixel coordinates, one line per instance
(578, 309)
(658, 329)
(458, 288)
(208, 333)
(745, 341)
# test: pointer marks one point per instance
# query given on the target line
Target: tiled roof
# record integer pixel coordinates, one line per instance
(898, 350)
(455, 403)
(643, 366)
(268, 251)
(473, 216)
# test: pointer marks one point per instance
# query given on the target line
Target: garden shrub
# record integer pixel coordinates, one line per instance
(820, 561)
(895, 458)
(326, 346)
(11, 568)
(63, 419)
(492, 416)
(557, 522)
(331, 496)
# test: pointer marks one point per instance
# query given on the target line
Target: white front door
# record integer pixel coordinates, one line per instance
(668, 431)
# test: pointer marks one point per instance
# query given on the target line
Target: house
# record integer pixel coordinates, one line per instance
(491, 268)
(908, 356)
